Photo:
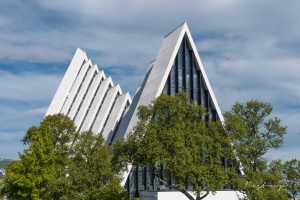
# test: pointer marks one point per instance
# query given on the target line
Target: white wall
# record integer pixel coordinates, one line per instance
(220, 195)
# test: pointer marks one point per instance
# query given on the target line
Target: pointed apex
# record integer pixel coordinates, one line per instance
(178, 28)
(185, 24)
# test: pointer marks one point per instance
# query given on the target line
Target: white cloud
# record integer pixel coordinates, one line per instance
(27, 86)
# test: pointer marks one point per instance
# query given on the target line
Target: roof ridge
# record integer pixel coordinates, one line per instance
(177, 27)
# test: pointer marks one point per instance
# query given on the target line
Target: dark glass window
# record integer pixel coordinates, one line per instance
(165, 90)
(180, 68)
(196, 91)
(173, 80)
(183, 65)
(187, 70)
(176, 75)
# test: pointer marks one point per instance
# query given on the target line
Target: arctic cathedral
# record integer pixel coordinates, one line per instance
(91, 99)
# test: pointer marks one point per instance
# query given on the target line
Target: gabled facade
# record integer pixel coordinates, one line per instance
(177, 67)
(94, 103)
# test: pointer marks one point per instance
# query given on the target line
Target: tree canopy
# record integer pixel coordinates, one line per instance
(172, 133)
(290, 171)
(254, 131)
(59, 163)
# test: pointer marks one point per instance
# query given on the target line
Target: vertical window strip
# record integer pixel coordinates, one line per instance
(169, 85)
(179, 68)
(173, 80)
(195, 85)
(201, 89)
(145, 177)
(183, 65)
(136, 175)
(206, 104)
(214, 115)
(210, 108)
(192, 72)
(187, 68)
(176, 75)
(165, 90)
(141, 178)
(198, 87)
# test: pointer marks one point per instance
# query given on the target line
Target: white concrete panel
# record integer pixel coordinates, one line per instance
(128, 116)
(82, 91)
(75, 87)
(219, 195)
(88, 99)
(105, 108)
(67, 81)
(96, 104)
(159, 71)
(115, 116)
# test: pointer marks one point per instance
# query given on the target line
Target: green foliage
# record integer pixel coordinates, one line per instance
(172, 133)
(254, 132)
(59, 163)
(292, 177)
(91, 165)
(266, 183)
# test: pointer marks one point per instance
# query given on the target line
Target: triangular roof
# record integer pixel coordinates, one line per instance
(160, 69)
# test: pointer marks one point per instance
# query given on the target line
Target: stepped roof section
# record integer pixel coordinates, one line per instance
(90, 98)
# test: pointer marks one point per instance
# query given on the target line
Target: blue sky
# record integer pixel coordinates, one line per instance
(250, 50)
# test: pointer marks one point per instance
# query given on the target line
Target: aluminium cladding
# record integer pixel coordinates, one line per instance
(90, 98)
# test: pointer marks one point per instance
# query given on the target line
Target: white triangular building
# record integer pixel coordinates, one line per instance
(93, 102)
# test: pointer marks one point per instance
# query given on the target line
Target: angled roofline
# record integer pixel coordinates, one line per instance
(161, 68)
(185, 31)
(67, 81)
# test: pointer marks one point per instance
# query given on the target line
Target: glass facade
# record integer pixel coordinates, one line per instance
(185, 76)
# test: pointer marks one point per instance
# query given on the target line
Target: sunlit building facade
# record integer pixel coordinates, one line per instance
(91, 99)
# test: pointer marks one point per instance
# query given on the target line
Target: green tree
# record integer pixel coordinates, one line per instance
(266, 183)
(90, 174)
(254, 132)
(42, 162)
(59, 163)
(172, 134)
(292, 177)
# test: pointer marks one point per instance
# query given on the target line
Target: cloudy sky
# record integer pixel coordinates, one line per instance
(250, 49)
